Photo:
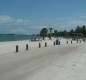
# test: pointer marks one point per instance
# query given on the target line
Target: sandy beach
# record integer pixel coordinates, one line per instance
(10, 46)
(59, 62)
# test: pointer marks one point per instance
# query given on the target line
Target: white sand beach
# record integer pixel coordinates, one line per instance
(10, 46)
(59, 62)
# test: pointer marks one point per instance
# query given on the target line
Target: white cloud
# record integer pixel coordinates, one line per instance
(67, 23)
(22, 22)
(77, 22)
(60, 23)
(7, 20)
(83, 16)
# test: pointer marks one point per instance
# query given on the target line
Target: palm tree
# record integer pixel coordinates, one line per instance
(55, 33)
(44, 33)
(50, 31)
(84, 30)
(78, 29)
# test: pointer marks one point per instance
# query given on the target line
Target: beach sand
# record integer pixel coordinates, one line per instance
(10, 46)
(59, 62)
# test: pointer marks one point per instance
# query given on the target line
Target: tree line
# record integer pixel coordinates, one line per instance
(80, 31)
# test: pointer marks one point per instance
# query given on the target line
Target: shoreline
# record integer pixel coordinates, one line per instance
(10, 46)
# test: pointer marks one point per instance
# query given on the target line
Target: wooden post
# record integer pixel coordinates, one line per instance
(67, 42)
(45, 44)
(54, 43)
(71, 42)
(77, 41)
(39, 45)
(80, 41)
(83, 40)
(17, 48)
(59, 42)
(26, 46)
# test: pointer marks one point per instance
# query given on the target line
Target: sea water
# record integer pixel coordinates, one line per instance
(12, 37)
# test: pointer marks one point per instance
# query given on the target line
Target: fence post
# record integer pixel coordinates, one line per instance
(71, 42)
(83, 40)
(17, 48)
(26, 46)
(54, 43)
(59, 42)
(77, 41)
(80, 41)
(45, 44)
(39, 45)
(67, 42)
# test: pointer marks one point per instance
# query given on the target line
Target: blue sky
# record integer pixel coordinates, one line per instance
(30, 16)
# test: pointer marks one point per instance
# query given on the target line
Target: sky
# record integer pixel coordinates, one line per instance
(30, 16)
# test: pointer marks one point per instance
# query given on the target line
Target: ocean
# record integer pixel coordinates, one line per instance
(13, 37)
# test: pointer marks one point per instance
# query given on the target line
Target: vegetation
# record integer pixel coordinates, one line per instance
(80, 31)
(50, 32)
(44, 33)
(55, 34)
